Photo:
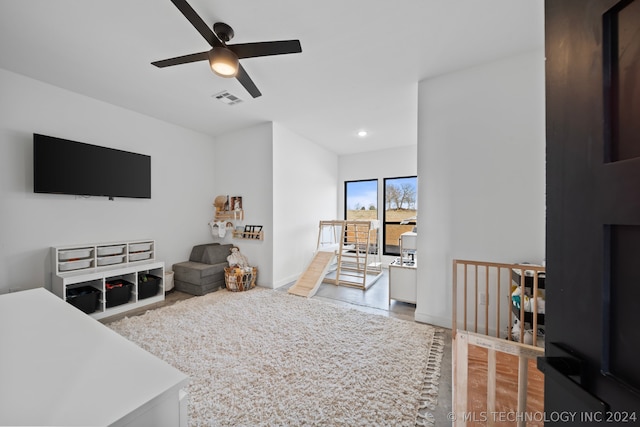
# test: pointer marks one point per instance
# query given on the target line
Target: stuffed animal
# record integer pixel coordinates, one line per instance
(236, 259)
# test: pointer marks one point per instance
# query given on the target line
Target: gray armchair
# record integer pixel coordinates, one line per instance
(204, 272)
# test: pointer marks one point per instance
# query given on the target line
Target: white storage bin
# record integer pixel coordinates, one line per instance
(140, 247)
(74, 254)
(168, 281)
(109, 260)
(138, 256)
(110, 250)
(74, 265)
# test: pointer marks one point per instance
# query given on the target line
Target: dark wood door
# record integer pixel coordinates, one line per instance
(592, 356)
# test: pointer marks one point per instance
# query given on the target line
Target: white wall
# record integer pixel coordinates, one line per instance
(481, 148)
(397, 162)
(189, 170)
(243, 167)
(287, 184)
(176, 216)
(304, 193)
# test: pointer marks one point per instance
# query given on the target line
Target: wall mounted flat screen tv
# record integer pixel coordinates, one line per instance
(61, 166)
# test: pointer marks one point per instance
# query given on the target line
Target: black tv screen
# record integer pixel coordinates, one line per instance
(61, 166)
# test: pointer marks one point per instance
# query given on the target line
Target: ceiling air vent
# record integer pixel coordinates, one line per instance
(227, 98)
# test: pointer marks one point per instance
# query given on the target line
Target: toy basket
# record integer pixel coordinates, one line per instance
(238, 280)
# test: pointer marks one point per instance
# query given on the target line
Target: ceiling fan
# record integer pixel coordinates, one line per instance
(223, 58)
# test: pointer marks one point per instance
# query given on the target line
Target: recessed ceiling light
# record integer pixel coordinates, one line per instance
(362, 133)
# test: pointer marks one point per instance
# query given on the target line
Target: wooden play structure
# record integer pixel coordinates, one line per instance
(495, 378)
(347, 253)
(309, 282)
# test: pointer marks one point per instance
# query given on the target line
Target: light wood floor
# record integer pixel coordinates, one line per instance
(374, 300)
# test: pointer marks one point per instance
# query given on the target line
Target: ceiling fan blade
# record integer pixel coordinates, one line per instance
(194, 57)
(252, 50)
(246, 81)
(198, 23)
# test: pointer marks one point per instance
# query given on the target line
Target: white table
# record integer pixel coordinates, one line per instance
(60, 367)
(403, 281)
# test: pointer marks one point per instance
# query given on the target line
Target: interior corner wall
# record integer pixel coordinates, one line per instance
(176, 216)
(244, 167)
(481, 162)
(304, 193)
(392, 163)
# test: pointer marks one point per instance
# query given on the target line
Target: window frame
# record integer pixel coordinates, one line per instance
(345, 207)
(385, 251)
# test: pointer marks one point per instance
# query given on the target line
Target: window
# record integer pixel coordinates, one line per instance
(361, 204)
(361, 200)
(400, 210)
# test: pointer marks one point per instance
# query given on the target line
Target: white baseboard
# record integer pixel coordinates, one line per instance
(443, 322)
(286, 281)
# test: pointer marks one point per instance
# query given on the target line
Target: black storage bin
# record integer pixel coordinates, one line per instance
(118, 292)
(147, 285)
(85, 298)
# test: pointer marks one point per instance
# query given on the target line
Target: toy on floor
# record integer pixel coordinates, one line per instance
(237, 259)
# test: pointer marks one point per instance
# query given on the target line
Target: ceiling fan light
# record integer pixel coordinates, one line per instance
(223, 62)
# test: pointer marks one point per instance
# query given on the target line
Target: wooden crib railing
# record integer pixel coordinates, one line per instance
(496, 382)
(495, 379)
(479, 285)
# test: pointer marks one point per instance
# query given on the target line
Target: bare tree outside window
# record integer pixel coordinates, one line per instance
(391, 196)
(400, 207)
(401, 210)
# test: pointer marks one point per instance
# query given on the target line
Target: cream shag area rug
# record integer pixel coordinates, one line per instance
(267, 358)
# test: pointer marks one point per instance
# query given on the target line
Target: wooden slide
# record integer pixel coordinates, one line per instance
(309, 282)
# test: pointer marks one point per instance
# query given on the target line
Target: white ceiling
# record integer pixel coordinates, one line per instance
(360, 64)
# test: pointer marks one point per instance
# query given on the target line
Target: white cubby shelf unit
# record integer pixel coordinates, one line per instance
(94, 265)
